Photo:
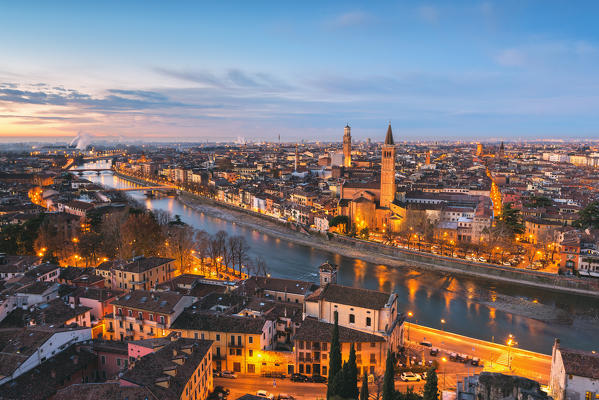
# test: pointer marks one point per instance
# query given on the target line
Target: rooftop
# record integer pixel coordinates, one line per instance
(364, 298)
(317, 331)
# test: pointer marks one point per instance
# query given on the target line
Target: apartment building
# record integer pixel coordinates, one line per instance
(240, 343)
(312, 344)
(141, 273)
(145, 314)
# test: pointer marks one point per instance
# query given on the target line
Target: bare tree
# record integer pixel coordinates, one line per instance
(238, 249)
(180, 245)
(162, 217)
(217, 249)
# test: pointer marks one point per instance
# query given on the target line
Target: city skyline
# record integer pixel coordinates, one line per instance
(469, 70)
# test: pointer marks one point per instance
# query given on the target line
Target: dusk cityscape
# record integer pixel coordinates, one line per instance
(319, 200)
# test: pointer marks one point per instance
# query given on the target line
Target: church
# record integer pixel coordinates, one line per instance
(372, 204)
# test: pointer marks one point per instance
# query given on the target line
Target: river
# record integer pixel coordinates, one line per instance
(476, 308)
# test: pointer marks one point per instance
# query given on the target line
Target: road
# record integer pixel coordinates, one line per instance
(448, 374)
(493, 355)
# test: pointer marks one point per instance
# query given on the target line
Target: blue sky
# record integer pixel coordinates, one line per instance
(222, 70)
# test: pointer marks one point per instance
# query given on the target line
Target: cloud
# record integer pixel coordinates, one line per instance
(232, 79)
(350, 19)
(548, 54)
(429, 14)
(115, 99)
(511, 58)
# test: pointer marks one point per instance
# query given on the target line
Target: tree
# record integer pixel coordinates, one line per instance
(364, 388)
(588, 217)
(510, 221)
(431, 390)
(334, 358)
(238, 250)
(389, 379)
(348, 377)
(340, 221)
(535, 201)
(180, 239)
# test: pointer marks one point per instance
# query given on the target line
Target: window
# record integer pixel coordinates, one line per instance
(372, 344)
(358, 346)
(162, 319)
(352, 319)
(151, 317)
(103, 360)
(237, 352)
(324, 370)
(118, 361)
(301, 345)
(130, 313)
(140, 315)
(324, 346)
(368, 321)
(195, 335)
(372, 358)
(231, 352)
(217, 336)
(251, 339)
(251, 353)
(589, 396)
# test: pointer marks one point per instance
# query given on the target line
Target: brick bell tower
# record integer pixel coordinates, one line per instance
(347, 146)
(388, 170)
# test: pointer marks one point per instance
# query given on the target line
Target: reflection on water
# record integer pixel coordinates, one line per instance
(429, 295)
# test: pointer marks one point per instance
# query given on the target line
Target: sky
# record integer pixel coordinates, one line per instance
(223, 70)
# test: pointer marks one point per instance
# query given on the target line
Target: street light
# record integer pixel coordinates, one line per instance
(442, 324)
(410, 315)
(510, 342)
(444, 359)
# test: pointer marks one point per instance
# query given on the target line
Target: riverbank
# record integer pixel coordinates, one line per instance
(381, 254)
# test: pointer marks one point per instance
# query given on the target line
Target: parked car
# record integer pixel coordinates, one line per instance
(265, 394)
(277, 375)
(228, 374)
(285, 396)
(409, 377)
(482, 259)
(299, 378)
(434, 352)
(475, 361)
(318, 379)
(426, 343)
(219, 393)
(507, 263)
(453, 356)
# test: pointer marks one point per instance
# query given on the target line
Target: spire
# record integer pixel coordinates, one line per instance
(389, 138)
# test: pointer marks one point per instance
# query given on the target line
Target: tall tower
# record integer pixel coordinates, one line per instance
(296, 157)
(479, 149)
(347, 146)
(428, 157)
(388, 170)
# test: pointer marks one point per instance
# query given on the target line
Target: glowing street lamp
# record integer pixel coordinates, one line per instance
(510, 342)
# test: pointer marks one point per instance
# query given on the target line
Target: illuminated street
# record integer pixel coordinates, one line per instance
(494, 356)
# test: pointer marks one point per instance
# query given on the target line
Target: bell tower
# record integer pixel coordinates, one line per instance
(388, 170)
(347, 146)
